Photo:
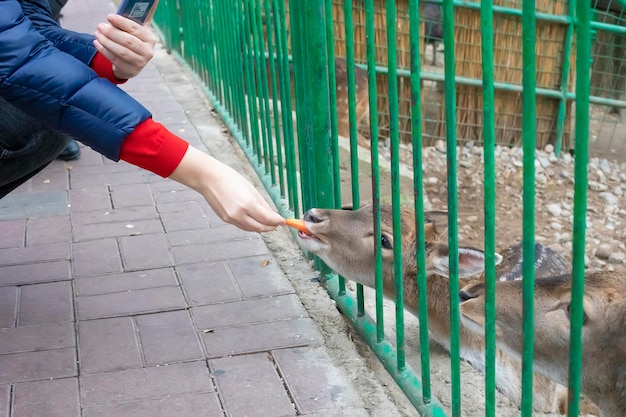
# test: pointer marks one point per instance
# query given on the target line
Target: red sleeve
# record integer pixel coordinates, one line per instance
(104, 68)
(151, 146)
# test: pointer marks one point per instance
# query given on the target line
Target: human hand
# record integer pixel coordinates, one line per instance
(127, 44)
(233, 198)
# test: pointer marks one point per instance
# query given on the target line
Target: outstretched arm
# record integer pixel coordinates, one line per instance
(234, 198)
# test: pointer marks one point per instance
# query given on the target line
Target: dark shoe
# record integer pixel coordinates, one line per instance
(71, 152)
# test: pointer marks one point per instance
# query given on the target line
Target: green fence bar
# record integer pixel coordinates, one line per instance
(251, 88)
(299, 72)
(262, 90)
(317, 134)
(529, 130)
(392, 82)
(567, 51)
(269, 34)
(371, 73)
(453, 232)
(282, 53)
(332, 94)
(583, 55)
(352, 120)
(418, 191)
(489, 186)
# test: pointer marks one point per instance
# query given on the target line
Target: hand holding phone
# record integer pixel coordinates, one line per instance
(127, 44)
(138, 10)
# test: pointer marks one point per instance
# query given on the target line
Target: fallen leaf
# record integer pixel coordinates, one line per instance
(265, 262)
(208, 331)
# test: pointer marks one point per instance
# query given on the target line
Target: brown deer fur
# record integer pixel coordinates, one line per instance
(604, 331)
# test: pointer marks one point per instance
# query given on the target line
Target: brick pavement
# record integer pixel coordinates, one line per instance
(123, 294)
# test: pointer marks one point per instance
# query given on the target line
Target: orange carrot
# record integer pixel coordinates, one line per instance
(297, 224)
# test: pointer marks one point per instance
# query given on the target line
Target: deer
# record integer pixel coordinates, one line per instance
(361, 94)
(604, 323)
(344, 240)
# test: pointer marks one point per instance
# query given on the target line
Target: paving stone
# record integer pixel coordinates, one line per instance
(256, 280)
(183, 216)
(218, 251)
(88, 156)
(196, 237)
(8, 306)
(107, 178)
(42, 204)
(108, 345)
(131, 195)
(165, 185)
(5, 392)
(52, 398)
(32, 366)
(208, 283)
(248, 312)
(96, 257)
(12, 233)
(42, 231)
(46, 303)
(250, 386)
(119, 229)
(126, 281)
(34, 338)
(119, 215)
(168, 337)
(260, 337)
(187, 405)
(178, 196)
(145, 383)
(20, 200)
(313, 380)
(50, 180)
(33, 273)
(131, 302)
(90, 198)
(41, 253)
(145, 252)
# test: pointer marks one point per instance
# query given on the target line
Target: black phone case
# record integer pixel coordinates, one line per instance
(138, 10)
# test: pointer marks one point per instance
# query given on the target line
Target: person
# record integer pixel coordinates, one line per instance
(67, 80)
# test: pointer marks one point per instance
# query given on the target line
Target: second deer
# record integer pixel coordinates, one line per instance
(604, 325)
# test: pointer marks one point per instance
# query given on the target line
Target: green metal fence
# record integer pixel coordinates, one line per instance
(265, 61)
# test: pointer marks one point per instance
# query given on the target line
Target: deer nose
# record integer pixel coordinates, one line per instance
(310, 217)
(465, 295)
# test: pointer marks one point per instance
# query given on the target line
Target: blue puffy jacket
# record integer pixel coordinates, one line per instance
(44, 71)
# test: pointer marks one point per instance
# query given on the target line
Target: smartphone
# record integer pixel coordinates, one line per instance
(138, 10)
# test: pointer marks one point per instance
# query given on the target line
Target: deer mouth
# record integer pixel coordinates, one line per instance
(304, 235)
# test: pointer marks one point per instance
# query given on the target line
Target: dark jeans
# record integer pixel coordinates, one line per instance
(26, 147)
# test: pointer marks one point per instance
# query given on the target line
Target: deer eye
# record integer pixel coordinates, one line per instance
(386, 242)
(567, 306)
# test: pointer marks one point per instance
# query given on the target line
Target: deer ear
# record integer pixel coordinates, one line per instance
(471, 261)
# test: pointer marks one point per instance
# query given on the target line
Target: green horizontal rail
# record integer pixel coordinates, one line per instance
(476, 82)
